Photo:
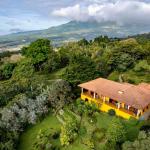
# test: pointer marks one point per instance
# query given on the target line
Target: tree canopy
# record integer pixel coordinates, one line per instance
(38, 51)
(141, 143)
(116, 132)
(81, 69)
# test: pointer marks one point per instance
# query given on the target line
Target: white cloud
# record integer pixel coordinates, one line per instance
(74, 12)
(121, 11)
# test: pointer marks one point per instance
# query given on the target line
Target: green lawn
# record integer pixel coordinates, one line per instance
(57, 74)
(103, 120)
(28, 137)
(51, 76)
(50, 123)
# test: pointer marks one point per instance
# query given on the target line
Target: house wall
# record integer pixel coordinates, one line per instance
(120, 113)
(105, 108)
(145, 113)
(145, 116)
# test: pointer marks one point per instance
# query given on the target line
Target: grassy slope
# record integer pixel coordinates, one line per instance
(50, 76)
(57, 74)
(103, 121)
(50, 122)
(28, 137)
(130, 76)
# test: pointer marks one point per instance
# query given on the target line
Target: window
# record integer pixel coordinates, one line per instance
(86, 100)
(85, 91)
(126, 106)
(92, 94)
(115, 103)
(97, 96)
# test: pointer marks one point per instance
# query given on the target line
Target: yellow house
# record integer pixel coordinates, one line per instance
(125, 99)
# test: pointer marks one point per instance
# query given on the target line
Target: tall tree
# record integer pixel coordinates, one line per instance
(38, 51)
(81, 69)
(59, 94)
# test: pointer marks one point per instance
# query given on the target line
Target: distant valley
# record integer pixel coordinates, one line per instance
(71, 31)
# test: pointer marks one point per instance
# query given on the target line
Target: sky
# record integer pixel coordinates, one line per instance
(26, 15)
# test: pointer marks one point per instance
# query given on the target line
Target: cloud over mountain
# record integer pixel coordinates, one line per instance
(42, 14)
(120, 11)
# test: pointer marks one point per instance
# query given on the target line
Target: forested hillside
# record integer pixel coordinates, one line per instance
(72, 31)
(44, 80)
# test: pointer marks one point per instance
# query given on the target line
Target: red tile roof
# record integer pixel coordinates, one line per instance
(135, 96)
(145, 85)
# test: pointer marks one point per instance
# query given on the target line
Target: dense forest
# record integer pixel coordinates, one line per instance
(44, 81)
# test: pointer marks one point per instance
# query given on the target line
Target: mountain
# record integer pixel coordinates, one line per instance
(72, 31)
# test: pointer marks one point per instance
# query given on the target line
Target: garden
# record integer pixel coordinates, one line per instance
(79, 126)
(38, 106)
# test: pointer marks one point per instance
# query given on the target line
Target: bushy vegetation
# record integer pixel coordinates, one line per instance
(142, 142)
(116, 132)
(69, 131)
(45, 140)
(6, 71)
(112, 112)
(78, 132)
(23, 111)
(32, 87)
(59, 95)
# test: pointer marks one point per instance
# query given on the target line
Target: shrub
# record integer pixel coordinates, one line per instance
(112, 112)
(79, 101)
(83, 130)
(98, 134)
(92, 119)
(142, 142)
(44, 141)
(68, 131)
(24, 69)
(109, 146)
(142, 66)
(6, 71)
(56, 135)
(94, 107)
(116, 131)
(59, 94)
(133, 121)
(88, 142)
